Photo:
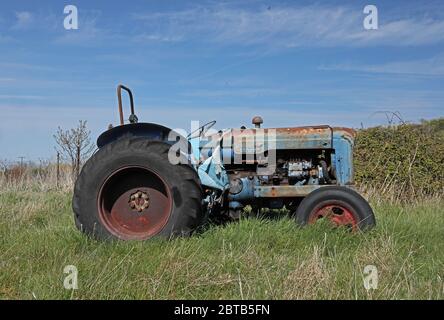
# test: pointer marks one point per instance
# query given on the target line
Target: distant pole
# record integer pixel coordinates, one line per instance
(58, 169)
(21, 168)
(21, 161)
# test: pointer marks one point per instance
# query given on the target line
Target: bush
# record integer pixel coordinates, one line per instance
(404, 161)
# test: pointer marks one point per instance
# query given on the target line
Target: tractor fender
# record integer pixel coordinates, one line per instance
(150, 131)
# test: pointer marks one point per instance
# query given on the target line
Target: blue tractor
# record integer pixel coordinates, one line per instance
(147, 180)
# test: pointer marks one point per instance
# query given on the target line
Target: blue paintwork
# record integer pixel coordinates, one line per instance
(342, 159)
(195, 148)
(235, 205)
(247, 191)
(213, 174)
(342, 142)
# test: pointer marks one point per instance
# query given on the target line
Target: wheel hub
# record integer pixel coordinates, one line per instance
(139, 201)
(134, 203)
(337, 214)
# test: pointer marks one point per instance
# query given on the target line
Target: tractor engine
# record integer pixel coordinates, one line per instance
(276, 167)
(297, 172)
(265, 181)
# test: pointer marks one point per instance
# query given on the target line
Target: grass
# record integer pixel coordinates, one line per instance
(252, 259)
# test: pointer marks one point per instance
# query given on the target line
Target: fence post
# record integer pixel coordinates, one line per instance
(58, 170)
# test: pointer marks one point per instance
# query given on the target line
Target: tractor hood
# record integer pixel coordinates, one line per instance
(319, 137)
(245, 141)
(313, 137)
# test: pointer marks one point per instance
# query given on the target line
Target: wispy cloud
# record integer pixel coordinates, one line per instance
(24, 20)
(24, 66)
(247, 92)
(156, 37)
(88, 32)
(424, 67)
(314, 25)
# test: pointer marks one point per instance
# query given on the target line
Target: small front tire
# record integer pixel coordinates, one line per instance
(342, 206)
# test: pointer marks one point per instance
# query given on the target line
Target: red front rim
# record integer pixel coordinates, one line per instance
(337, 213)
(134, 203)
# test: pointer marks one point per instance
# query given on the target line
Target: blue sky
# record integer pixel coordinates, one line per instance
(293, 63)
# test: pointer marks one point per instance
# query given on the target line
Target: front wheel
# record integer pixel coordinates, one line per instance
(129, 190)
(341, 206)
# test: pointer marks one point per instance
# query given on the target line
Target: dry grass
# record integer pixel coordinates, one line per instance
(43, 177)
(252, 259)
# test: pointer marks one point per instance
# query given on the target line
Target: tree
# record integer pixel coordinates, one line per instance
(74, 145)
(3, 166)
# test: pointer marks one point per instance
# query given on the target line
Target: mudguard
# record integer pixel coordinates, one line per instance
(151, 131)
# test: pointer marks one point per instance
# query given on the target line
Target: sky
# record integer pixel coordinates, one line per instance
(294, 63)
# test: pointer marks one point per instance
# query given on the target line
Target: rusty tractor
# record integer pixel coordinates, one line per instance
(147, 180)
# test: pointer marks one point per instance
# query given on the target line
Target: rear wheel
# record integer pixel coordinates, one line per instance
(339, 205)
(129, 190)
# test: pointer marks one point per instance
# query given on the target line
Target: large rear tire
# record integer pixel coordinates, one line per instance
(129, 190)
(342, 206)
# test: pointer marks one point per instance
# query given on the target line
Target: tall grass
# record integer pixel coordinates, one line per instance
(251, 259)
(43, 177)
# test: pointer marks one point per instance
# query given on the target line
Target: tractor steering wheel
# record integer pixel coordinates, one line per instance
(201, 130)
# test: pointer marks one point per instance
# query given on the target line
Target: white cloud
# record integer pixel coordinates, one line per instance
(24, 66)
(156, 37)
(23, 20)
(313, 25)
(88, 32)
(424, 67)
(246, 92)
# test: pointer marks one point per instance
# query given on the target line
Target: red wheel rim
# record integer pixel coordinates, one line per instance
(338, 213)
(134, 203)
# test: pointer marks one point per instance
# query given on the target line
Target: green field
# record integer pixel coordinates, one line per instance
(252, 259)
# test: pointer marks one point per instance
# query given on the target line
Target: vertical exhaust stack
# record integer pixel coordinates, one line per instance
(132, 118)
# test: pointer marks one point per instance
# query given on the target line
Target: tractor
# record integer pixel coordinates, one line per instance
(147, 180)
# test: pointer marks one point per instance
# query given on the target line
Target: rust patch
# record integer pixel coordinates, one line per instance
(284, 191)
